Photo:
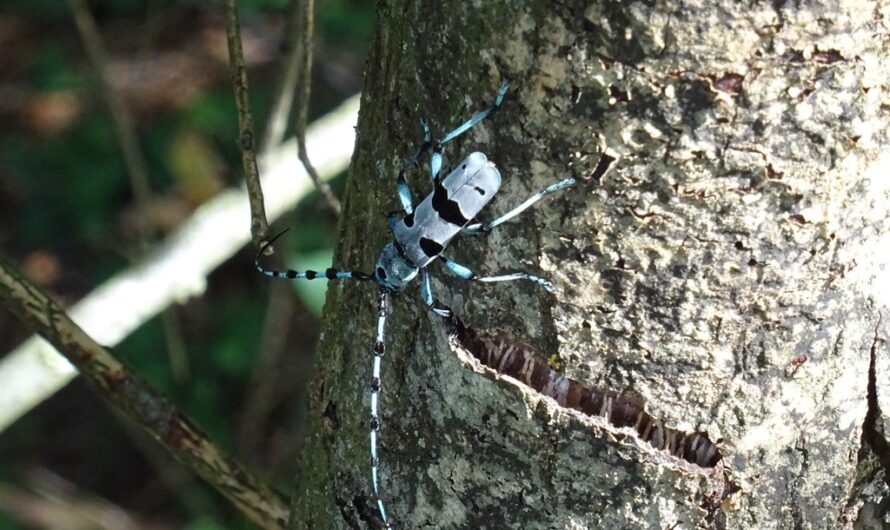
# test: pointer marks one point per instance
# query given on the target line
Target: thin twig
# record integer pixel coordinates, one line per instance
(276, 125)
(306, 27)
(136, 169)
(70, 511)
(264, 381)
(120, 114)
(140, 402)
(259, 226)
(50, 501)
(295, 84)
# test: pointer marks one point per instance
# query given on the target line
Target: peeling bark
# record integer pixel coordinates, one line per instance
(730, 269)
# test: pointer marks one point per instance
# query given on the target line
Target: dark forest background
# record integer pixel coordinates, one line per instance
(68, 218)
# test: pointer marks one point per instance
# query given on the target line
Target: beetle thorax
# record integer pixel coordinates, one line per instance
(393, 271)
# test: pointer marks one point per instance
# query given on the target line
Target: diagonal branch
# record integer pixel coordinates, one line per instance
(139, 401)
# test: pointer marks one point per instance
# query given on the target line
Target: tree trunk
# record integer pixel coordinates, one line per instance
(729, 271)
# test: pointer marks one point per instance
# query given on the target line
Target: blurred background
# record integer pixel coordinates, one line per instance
(70, 220)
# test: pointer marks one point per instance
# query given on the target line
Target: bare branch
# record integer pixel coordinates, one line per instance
(306, 27)
(139, 401)
(259, 226)
(295, 84)
(276, 125)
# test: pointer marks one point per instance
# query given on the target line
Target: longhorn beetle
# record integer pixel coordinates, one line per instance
(421, 236)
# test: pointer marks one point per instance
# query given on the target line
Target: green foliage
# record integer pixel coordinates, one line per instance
(212, 112)
(44, 10)
(206, 524)
(53, 68)
(345, 20)
(8, 523)
(65, 189)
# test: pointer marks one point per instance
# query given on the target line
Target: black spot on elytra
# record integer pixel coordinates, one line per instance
(430, 247)
(446, 208)
(479, 190)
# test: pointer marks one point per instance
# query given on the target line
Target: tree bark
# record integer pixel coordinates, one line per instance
(729, 271)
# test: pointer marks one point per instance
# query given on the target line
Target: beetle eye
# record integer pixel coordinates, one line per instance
(381, 273)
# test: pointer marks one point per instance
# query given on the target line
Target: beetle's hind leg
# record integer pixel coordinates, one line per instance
(476, 228)
(468, 274)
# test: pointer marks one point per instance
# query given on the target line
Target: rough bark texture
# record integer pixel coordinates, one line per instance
(730, 270)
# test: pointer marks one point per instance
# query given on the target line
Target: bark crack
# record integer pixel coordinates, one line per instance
(873, 435)
(527, 366)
